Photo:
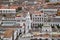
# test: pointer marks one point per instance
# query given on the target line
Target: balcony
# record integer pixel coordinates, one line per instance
(8, 18)
(8, 23)
(48, 22)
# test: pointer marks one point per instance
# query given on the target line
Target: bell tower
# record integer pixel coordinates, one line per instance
(28, 22)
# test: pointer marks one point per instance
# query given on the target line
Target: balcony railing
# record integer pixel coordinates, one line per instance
(8, 23)
(8, 18)
(48, 22)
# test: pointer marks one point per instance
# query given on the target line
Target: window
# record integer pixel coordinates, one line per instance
(0, 11)
(46, 39)
(52, 39)
(38, 18)
(8, 11)
(35, 15)
(39, 15)
(35, 18)
(28, 27)
(40, 39)
(58, 39)
(3, 11)
(18, 20)
(46, 30)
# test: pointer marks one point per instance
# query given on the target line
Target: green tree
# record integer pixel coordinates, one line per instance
(58, 26)
(40, 25)
(4, 15)
(18, 9)
(1, 38)
(47, 0)
(52, 26)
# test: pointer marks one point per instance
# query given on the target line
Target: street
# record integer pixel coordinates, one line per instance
(23, 38)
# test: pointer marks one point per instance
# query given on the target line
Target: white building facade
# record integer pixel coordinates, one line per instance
(54, 0)
(48, 15)
(37, 19)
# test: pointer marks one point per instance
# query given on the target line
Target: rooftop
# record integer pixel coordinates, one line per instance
(36, 12)
(9, 7)
(7, 33)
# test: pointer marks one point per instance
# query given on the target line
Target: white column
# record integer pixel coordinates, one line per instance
(22, 30)
(26, 29)
(29, 26)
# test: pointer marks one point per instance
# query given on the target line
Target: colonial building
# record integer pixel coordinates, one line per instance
(37, 18)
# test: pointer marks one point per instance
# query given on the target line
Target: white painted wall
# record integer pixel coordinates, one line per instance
(15, 34)
(46, 28)
(7, 38)
(54, 0)
(11, 0)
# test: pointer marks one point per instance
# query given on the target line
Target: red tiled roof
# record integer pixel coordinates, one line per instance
(2, 7)
(14, 7)
(10, 7)
(36, 12)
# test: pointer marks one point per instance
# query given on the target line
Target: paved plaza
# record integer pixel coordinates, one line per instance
(23, 38)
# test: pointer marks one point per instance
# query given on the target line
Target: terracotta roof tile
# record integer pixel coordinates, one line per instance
(2, 7)
(10, 7)
(36, 12)
(8, 33)
(14, 7)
